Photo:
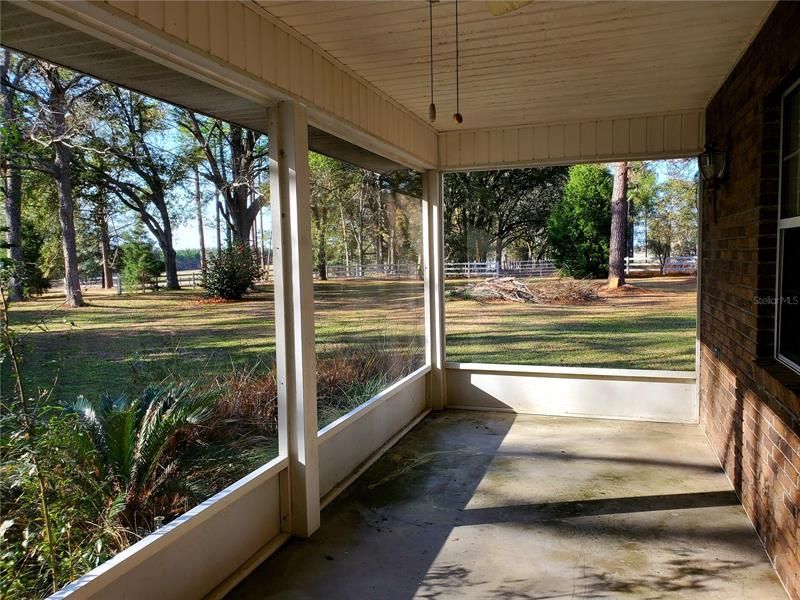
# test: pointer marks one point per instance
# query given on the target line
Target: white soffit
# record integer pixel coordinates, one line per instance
(548, 62)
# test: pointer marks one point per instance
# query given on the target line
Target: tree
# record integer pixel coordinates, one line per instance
(509, 205)
(142, 173)
(57, 120)
(11, 70)
(31, 277)
(220, 142)
(101, 212)
(673, 222)
(141, 265)
(641, 195)
(96, 197)
(326, 182)
(619, 227)
(580, 223)
(198, 200)
(464, 234)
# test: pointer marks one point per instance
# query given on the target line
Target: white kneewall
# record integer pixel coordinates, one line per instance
(643, 395)
(197, 552)
(353, 439)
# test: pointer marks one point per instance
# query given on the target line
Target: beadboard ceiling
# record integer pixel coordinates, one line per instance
(546, 62)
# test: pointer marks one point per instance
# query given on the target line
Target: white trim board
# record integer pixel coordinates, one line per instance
(663, 396)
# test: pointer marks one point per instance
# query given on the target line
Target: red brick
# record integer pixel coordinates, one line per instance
(743, 399)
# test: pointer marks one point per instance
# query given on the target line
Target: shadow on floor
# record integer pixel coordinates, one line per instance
(480, 505)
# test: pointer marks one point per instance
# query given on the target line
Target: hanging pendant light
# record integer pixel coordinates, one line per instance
(432, 107)
(457, 117)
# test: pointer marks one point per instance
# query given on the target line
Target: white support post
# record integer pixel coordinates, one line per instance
(294, 311)
(433, 250)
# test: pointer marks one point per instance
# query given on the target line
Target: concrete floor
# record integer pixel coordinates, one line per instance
(499, 506)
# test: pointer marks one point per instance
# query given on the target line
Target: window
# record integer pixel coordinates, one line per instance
(787, 330)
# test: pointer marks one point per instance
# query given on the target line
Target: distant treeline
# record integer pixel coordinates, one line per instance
(189, 259)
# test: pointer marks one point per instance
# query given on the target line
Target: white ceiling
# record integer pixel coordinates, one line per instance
(546, 62)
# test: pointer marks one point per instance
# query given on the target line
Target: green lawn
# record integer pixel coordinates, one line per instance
(121, 343)
(652, 329)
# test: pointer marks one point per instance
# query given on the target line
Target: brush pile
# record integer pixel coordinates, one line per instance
(503, 288)
(543, 291)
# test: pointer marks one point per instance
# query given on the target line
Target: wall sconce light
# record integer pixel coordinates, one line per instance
(712, 163)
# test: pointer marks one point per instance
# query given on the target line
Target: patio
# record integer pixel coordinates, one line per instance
(492, 505)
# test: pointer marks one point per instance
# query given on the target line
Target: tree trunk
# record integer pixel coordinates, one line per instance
(219, 229)
(105, 248)
(498, 248)
(72, 284)
(318, 218)
(263, 246)
(391, 223)
(345, 245)
(619, 227)
(631, 230)
(165, 242)
(14, 234)
(199, 205)
(170, 262)
(13, 183)
(322, 261)
(360, 240)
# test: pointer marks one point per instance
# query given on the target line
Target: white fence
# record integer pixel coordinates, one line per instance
(522, 268)
(401, 270)
(685, 265)
(674, 265)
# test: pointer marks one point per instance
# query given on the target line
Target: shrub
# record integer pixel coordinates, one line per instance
(233, 272)
(34, 282)
(579, 227)
(141, 264)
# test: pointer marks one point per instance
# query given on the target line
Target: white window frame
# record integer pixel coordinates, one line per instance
(783, 225)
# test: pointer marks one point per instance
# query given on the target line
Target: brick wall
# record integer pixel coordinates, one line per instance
(749, 404)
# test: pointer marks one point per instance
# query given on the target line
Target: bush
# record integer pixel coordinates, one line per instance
(579, 227)
(233, 272)
(34, 282)
(141, 263)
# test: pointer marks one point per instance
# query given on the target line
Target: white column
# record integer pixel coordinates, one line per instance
(433, 250)
(294, 311)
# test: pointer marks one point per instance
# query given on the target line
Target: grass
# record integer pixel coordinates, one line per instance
(654, 329)
(121, 343)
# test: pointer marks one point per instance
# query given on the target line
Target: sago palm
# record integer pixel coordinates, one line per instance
(140, 445)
